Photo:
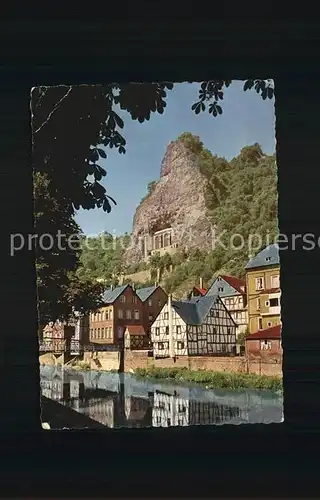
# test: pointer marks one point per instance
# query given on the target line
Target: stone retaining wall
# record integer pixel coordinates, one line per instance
(239, 364)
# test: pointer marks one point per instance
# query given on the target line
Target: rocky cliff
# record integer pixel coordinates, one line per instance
(175, 201)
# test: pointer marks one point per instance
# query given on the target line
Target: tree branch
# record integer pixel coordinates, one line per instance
(56, 106)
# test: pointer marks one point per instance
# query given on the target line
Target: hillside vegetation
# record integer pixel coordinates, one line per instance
(241, 200)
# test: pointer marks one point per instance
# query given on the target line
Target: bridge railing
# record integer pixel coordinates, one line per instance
(74, 346)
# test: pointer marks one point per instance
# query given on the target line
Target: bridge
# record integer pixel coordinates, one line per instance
(60, 346)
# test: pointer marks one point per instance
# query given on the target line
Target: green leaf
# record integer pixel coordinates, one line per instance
(106, 206)
(248, 85)
(102, 153)
(118, 120)
(270, 92)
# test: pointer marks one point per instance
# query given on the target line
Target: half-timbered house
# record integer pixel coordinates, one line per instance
(201, 326)
(232, 292)
(169, 410)
(135, 337)
(56, 337)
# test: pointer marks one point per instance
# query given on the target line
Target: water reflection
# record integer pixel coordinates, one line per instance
(123, 401)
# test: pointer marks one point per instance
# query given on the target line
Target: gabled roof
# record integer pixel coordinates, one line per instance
(201, 291)
(110, 296)
(135, 330)
(230, 285)
(236, 283)
(269, 256)
(268, 333)
(145, 293)
(194, 311)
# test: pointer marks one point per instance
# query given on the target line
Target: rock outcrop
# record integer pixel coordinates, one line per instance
(176, 203)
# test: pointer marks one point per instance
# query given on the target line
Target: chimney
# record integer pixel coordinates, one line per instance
(111, 287)
(171, 340)
(158, 274)
(201, 283)
(133, 286)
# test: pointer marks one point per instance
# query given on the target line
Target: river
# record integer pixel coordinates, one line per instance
(121, 400)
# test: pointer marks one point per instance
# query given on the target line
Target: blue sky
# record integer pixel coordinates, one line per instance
(246, 119)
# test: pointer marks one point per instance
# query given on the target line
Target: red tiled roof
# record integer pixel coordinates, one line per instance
(136, 330)
(274, 332)
(236, 283)
(202, 291)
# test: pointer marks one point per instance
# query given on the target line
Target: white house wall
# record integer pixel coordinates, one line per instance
(234, 305)
(217, 334)
(169, 411)
(163, 336)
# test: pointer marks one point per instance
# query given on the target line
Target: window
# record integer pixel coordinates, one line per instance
(169, 422)
(260, 323)
(98, 333)
(258, 304)
(136, 314)
(110, 314)
(265, 344)
(102, 333)
(267, 303)
(268, 259)
(181, 408)
(180, 345)
(220, 289)
(214, 330)
(150, 302)
(120, 313)
(122, 298)
(134, 299)
(178, 329)
(128, 313)
(161, 346)
(228, 331)
(274, 302)
(269, 323)
(157, 330)
(158, 420)
(259, 284)
(167, 330)
(166, 315)
(275, 282)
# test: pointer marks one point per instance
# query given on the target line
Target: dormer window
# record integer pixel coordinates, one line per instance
(268, 259)
(220, 289)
